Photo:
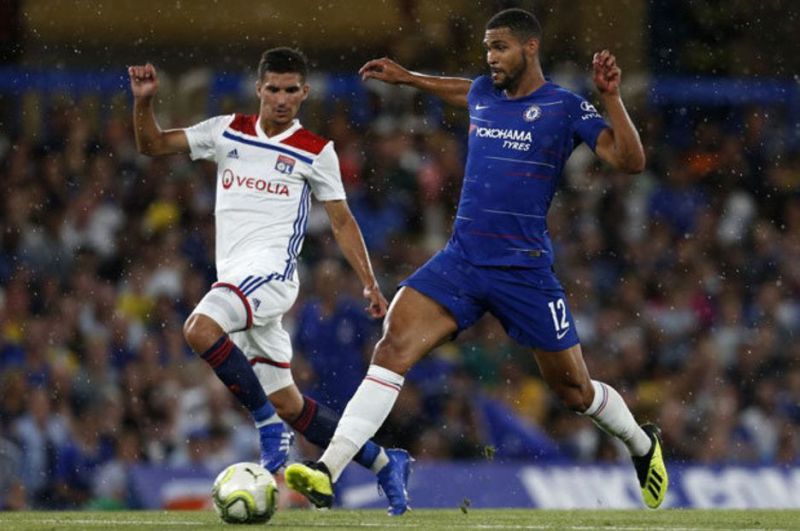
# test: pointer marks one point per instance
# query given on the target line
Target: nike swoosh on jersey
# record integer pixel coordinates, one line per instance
(479, 107)
(560, 335)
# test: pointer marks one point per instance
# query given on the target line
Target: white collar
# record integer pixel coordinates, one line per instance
(280, 136)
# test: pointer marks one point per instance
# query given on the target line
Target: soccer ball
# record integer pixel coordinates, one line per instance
(244, 493)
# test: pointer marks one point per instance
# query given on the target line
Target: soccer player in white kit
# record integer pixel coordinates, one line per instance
(268, 166)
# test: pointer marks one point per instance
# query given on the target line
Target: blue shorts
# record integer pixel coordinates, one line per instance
(528, 302)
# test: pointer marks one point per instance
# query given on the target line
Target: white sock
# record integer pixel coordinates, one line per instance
(609, 411)
(362, 417)
(381, 461)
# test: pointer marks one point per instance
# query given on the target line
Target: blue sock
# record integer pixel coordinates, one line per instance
(231, 366)
(318, 422)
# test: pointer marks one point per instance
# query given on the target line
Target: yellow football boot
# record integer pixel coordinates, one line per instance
(650, 469)
(313, 481)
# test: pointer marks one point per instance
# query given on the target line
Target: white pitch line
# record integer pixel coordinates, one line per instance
(67, 522)
(84, 522)
(533, 526)
(622, 528)
(528, 526)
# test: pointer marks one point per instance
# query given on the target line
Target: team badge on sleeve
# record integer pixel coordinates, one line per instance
(285, 164)
(589, 110)
(532, 113)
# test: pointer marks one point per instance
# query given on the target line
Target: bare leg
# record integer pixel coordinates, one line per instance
(566, 374)
(414, 325)
(317, 423)
(208, 339)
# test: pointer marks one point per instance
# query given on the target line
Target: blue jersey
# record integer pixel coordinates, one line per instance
(517, 151)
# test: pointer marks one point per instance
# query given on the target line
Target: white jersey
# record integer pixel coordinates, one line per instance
(263, 188)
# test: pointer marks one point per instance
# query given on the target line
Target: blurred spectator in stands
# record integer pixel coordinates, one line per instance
(684, 282)
(12, 489)
(678, 202)
(334, 336)
(39, 433)
(111, 485)
(85, 449)
(381, 205)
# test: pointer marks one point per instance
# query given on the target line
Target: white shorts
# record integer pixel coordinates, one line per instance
(249, 306)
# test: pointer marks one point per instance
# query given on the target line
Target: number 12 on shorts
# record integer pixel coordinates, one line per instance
(558, 307)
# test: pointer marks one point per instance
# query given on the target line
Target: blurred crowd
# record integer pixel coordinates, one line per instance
(683, 281)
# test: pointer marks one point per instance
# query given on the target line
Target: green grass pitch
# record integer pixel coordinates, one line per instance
(583, 520)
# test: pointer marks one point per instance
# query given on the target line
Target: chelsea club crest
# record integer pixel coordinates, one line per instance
(532, 113)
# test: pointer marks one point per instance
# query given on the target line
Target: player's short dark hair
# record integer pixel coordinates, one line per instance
(523, 24)
(283, 60)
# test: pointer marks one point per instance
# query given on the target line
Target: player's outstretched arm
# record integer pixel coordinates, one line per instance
(150, 139)
(452, 90)
(348, 236)
(620, 145)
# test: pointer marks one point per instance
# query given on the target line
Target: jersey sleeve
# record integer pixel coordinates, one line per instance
(586, 121)
(326, 178)
(476, 88)
(203, 136)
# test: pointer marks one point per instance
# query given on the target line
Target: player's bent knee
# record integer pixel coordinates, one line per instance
(188, 330)
(191, 332)
(576, 397)
(201, 332)
(391, 355)
(224, 307)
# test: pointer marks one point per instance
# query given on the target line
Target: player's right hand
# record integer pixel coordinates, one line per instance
(384, 69)
(606, 74)
(144, 82)
(378, 305)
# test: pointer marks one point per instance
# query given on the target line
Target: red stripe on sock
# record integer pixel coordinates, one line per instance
(279, 364)
(220, 355)
(309, 410)
(216, 358)
(220, 344)
(384, 383)
(605, 400)
(238, 292)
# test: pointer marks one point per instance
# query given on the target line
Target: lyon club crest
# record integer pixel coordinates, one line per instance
(532, 113)
(285, 164)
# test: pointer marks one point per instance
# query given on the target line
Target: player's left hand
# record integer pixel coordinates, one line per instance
(377, 302)
(605, 73)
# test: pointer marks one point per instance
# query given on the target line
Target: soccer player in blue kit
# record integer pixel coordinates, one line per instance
(499, 259)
